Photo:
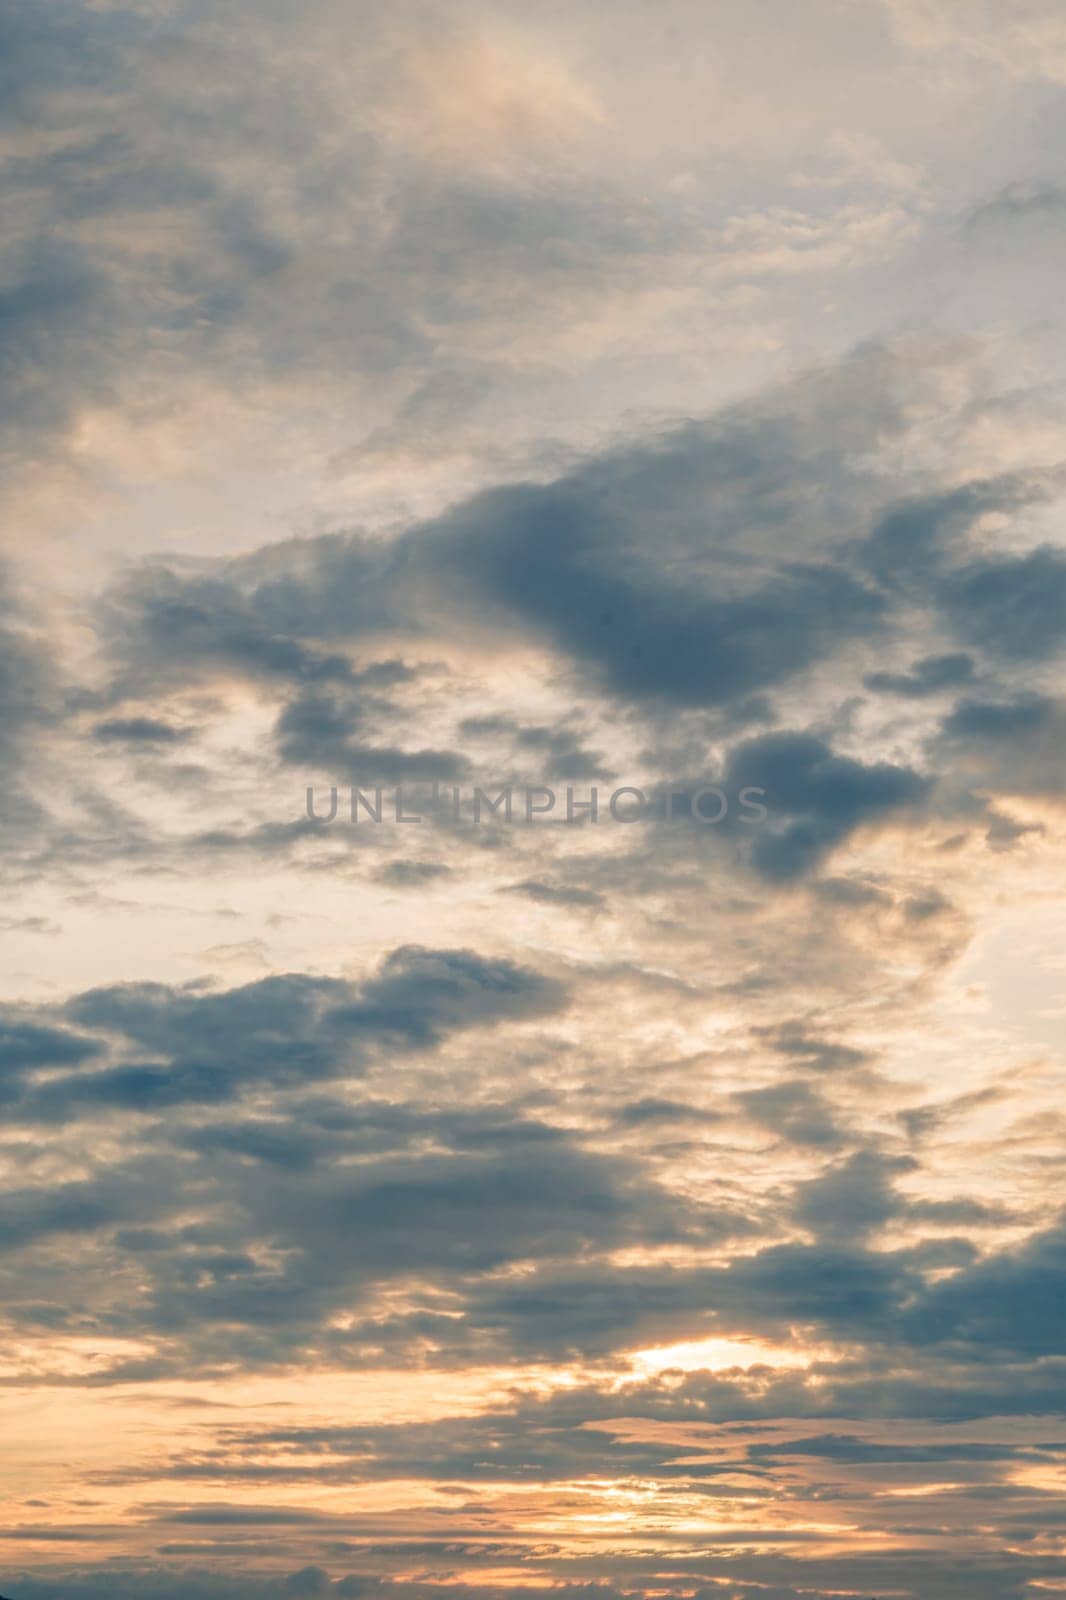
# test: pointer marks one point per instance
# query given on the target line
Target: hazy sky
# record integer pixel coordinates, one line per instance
(662, 396)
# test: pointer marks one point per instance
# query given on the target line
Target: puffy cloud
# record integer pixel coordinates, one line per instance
(816, 797)
(195, 1046)
(931, 675)
(1012, 606)
(1007, 1305)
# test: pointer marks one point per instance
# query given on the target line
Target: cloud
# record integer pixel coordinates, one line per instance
(1007, 746)
(558, 894)
(194, 1045)
(315, 732)
(931, 675)
(25, 1045)
(1012, 606)
(816, 798)
(544, 1180)
(609, 564)
(795, 1110)
(647, 584)
(138, 730)
(1019, 203)
(28, 709)
(543, 554)
(1010, 1304)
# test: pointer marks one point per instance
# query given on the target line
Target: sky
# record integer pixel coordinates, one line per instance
(651, 400)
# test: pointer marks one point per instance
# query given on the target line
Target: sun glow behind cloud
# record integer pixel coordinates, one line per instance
(721, 1355)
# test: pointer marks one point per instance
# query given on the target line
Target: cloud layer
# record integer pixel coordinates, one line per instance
(654, 1201)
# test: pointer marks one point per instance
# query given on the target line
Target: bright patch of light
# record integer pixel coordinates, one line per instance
(718, 1355)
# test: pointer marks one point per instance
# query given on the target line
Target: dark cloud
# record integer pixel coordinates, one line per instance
(910, 542)
(319, 733)
(929, 676)
(913, 1569)
(1005, 746)
(29, 1216)
(28, 709)
(861, 1195)
(239, 1516)
(558, 894)
(411, 874)
(999, 720)
(418, 995)
(1013, 607)
(176, 627)
(25, 1045)
(856, 1197)
(638, 1113)
(138, 730)
(1020, 202)
(197, 1046)
(555, 752)
(1011, 1303)
(550, 555)
(796, 1111)
(655, 571)
(815, 797)
(797, 1040)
